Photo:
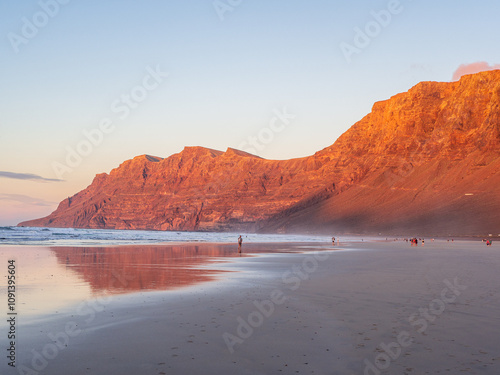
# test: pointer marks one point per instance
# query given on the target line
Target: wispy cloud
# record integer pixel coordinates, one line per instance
(27, 176)
(480, 66)
(26, 200)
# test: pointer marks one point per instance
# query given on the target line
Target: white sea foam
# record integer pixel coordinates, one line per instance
(99, 237)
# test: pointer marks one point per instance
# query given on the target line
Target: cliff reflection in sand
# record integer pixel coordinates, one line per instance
(125, 269)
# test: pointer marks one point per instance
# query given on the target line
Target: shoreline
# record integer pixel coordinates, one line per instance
(44, 236)
(319, 234)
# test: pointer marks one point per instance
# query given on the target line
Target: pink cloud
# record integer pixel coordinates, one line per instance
(473, 68)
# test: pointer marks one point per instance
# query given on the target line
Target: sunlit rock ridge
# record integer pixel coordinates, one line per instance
(424, 161)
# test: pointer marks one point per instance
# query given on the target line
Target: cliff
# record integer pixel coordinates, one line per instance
(196, 189)
(426, 160)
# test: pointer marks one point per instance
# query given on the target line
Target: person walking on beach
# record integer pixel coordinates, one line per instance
(240, 241)
(333, 241)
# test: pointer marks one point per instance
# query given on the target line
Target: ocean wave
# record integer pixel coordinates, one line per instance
(105, 237)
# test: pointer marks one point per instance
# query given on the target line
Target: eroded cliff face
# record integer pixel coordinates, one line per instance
(426, 161)
(197, 189)
(418, 155)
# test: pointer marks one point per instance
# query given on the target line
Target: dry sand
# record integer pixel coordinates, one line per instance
(340, 312)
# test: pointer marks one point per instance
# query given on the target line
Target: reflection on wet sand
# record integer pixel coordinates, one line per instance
(53, 278)
(125, 269)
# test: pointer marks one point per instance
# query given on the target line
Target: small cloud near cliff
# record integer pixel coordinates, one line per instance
(27, 176)
(476, 67)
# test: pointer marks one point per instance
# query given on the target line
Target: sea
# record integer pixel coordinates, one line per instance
(102, 237)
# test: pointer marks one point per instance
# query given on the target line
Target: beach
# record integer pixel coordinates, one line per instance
(371, 307)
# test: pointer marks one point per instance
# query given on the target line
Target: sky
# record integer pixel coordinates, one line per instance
(86, 85)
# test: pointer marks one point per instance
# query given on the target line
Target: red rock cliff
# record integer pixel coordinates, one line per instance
(426, 160)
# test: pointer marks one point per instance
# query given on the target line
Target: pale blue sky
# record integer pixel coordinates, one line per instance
(226, 78)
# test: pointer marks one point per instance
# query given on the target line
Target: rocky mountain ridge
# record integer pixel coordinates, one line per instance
(426, 160)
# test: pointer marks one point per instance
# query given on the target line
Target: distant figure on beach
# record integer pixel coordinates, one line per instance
(333, 241)
(240, 241)
(488, 242)
(423, 242)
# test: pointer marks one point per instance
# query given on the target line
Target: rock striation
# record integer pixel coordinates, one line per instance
(426, 160)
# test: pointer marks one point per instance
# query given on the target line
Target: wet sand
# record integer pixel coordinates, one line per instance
(377, 307)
